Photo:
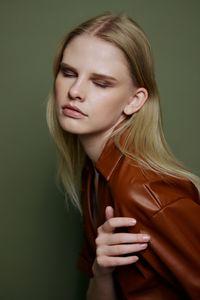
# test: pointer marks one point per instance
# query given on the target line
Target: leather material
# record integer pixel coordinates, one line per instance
(166, 208)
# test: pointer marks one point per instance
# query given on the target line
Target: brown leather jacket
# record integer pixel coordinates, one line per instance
(166, 208)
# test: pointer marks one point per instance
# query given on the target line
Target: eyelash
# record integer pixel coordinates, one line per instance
(71, 74)
(67, 73)
(102, 85)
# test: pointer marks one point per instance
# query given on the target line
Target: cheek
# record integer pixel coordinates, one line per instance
(58, 88)
(109, 107)
(116, 102)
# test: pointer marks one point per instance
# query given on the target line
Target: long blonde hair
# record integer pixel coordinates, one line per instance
(144, 128)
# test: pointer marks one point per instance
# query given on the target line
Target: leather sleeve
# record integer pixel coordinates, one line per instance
(88, 250)
(175, 242)
(86, 259)
(174, 227)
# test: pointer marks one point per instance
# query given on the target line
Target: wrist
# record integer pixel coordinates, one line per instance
(99, 271)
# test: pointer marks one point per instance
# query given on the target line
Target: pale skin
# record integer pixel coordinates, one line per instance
(93, 95)
(109, 248)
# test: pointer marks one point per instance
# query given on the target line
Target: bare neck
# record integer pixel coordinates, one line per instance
(93, 145)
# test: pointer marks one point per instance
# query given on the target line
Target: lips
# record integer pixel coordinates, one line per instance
(72, 111)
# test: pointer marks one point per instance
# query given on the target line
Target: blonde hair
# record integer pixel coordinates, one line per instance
(143, 130)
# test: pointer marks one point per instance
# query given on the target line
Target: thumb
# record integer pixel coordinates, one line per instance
(109, 212)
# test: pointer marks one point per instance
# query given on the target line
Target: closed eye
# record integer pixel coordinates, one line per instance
(102, 84)
(66, 72)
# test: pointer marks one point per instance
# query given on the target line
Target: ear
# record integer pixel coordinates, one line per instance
(136, 101)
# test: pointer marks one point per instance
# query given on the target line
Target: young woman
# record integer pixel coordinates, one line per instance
(141, 208)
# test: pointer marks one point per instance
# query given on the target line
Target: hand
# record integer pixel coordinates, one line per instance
(111, 246)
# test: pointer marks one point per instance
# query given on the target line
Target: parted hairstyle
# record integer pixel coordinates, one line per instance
(143, 129)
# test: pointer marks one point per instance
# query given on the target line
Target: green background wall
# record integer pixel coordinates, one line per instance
(39, 237)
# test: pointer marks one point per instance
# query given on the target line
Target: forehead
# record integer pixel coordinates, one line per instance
(90, 52)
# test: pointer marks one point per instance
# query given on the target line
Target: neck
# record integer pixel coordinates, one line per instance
(94, 144)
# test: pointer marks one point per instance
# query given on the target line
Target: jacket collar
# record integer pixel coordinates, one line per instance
(108, 159)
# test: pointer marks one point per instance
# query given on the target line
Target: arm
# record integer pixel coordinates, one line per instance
(101, 286)
(110, 247)
(173, 253)
(175, 233)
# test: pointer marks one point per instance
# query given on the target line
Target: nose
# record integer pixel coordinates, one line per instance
(77, 91)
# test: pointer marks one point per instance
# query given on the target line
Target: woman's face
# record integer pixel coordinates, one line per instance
(93, 87)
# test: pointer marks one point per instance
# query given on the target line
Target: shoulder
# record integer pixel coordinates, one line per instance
(137, 189)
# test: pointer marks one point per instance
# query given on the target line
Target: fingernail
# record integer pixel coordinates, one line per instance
(143, 246)
(133, 221)
(146, 238)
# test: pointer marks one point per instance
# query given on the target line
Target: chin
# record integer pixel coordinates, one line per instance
(66, 126)
(70, 129)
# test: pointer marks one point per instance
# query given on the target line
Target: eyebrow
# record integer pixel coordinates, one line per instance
(97, 75)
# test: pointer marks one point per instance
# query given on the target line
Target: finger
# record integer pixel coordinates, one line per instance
(109, 212)
(122, 238)
(105, 261)
(118, 250)
(111, 224)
